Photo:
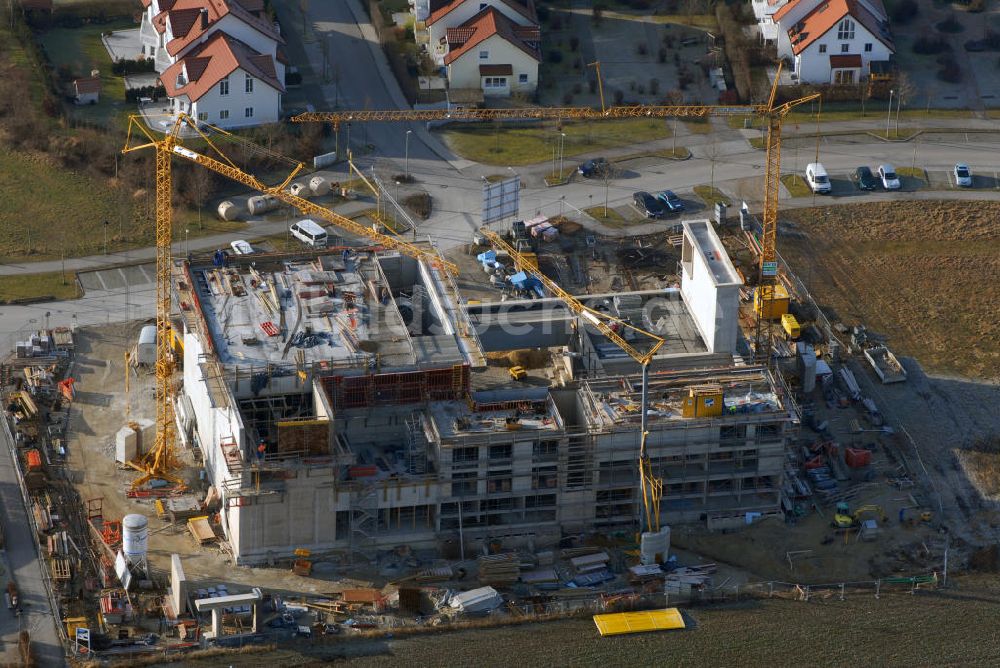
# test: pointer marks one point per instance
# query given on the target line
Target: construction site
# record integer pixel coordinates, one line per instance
(340, 437)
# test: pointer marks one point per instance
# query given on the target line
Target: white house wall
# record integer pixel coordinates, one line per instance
(464, 72)
(814, 67)
(265, 100)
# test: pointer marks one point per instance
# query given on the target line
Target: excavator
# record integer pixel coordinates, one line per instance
(843, 518)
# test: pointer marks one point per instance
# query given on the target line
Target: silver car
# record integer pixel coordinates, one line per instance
(963, 175)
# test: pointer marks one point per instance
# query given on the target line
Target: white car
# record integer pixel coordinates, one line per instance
(241, 247)
(887, 173)
(963, 175)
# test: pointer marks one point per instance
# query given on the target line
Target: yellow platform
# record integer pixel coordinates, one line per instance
(622, 623)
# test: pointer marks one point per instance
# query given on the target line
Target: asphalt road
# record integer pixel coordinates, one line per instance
(22, 560)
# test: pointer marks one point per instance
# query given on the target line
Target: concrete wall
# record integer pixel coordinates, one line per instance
(713, 306)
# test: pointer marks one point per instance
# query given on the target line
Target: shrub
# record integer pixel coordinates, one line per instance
(950, 25)
(577, 88)
(293, 78)
(930, 45)
(904, 11)
(555, 56)
(950, 72)
(641, 48)
(654, 86)
(556, 23)
(619, 96)
(543, 13)
(661, 55)
(122, 66)
(419, 204)
(592, 86)
(567, 98)
(574, 43)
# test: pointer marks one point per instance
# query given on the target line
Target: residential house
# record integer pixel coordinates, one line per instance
(87, 91)
(833, 41)
(220, 61)
(492, 53)
(447, 14)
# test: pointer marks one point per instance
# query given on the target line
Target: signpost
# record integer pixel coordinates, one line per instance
(501, 199)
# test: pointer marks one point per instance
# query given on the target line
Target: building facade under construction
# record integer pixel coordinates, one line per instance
(341, 400)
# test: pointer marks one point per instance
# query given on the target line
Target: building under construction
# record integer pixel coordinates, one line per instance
(341, 401)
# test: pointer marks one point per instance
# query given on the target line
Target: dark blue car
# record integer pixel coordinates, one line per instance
(671, 201)
(594, 167)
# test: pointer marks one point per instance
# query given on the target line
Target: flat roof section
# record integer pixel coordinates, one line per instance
(707, 243)
(496, 411)
(610, 402)
(306, 311)
(663, 313)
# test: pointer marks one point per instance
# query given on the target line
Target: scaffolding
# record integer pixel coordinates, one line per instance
(416, 452)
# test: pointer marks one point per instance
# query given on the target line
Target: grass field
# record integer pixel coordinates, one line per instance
(796, 185)
(711, 195)
(927, 629)
(25, 286)
(919, 272)
(530, 145)
(608, 216)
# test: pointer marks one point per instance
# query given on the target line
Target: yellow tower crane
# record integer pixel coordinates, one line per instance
(161, 461)
(772, 113)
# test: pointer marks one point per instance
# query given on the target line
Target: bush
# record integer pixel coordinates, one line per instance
(592, 86)
(556, 23)
(577, 88)
(930, 45)
(641, 48)
(904, 11)
(122, 66)
(419, 204)
(567, 98)
(618, 96)
(555, 57)
(950, 25)
(574, 43)
(661, 55)
(543, 13)
(154, 92)
(950, 72)
(293, 78)
(654, 86)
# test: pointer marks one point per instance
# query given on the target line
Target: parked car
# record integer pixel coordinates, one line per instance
(865, 179)
(670, 200)
(242, 247)
(887, 173)
(594, 167)
(649, 205)
(963, 175)
(817, 178)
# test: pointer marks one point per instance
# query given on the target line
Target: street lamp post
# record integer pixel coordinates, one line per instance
(562, 152)
(106, 223)
(888, 116)
(406, 159)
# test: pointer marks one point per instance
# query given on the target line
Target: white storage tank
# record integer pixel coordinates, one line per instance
(135, 538)
(229, 210)
(319, 186)
(654, 546)
(259, 204)
(300, 190)
(146, 349)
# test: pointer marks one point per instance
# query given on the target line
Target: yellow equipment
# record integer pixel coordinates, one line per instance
(703, 401)
(791, 326)
(767, 267)
(517, 372)
(770, 302)
(864, 510)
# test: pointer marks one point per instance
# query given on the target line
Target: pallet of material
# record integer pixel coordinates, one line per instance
(570, 552)
(181, 507)
(201, 529)
(60, 568)
(590, 562)
(438, 574)
(540, 576)
(499, 568)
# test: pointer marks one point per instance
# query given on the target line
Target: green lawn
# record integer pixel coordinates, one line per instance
(82, 50)
(796, 185)
(26, 286)
(711, 195)
(529, 145)
(698, 126)
(874, 111)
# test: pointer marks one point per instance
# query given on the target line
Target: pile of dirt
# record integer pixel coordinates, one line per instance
(529, 358)
(918, 271)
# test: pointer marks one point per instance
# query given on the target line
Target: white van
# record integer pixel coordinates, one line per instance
(309, 232)
(817, 178)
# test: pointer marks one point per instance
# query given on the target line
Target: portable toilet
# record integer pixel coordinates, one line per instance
(146, 349)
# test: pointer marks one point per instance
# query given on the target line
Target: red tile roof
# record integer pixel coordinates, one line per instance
(460, 35)
(185, 21)
(213, 61)
(88, 85)
(848, 60)
(487, 23)
(825, 17)
(525, 8)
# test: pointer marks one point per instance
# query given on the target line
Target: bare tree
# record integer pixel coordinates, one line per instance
(200, 186)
